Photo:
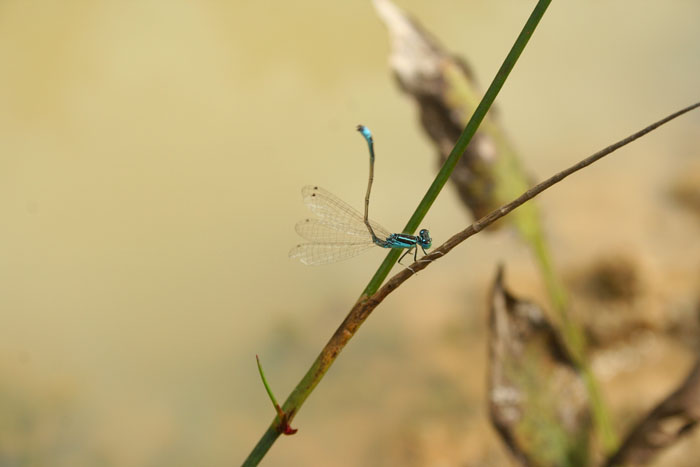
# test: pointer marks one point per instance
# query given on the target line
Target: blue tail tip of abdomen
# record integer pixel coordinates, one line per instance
(365, 132)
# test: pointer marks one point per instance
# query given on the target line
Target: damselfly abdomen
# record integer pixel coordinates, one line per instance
(341, 232)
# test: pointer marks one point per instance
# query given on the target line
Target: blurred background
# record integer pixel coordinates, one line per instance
(151, 160)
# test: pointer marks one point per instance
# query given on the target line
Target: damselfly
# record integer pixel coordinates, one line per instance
(341, 232)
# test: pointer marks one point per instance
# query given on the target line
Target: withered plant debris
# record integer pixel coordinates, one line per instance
(612, 278)
(672, 419)
(444, 88)
(613, 300)
(538, 400)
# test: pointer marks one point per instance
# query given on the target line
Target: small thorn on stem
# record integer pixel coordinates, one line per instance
(283, 426)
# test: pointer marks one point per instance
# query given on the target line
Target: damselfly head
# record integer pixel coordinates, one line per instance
(424, 238)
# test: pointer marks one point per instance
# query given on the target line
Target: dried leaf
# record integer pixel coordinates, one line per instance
(488, 174)
(538, 400)
(669, 421)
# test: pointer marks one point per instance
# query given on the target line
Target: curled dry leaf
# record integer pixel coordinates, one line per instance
(538, 400)
(488, 174)
(669, 421)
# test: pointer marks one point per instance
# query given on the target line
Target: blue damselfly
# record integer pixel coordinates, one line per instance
(341, 232)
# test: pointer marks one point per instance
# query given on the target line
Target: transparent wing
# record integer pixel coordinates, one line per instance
(322, 231)
(335, 211)
(313, 254)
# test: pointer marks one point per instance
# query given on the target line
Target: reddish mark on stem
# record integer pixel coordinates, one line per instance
(284, 426)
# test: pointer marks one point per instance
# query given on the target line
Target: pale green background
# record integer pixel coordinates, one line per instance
(151, 156)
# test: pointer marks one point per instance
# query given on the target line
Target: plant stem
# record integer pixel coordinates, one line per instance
(463, 141)
(363, 307)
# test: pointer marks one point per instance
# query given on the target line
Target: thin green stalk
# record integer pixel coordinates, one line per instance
(462, 143)
(264, 381)
(264, 445)
(573, 337)
(351, 323)
(361, 310)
